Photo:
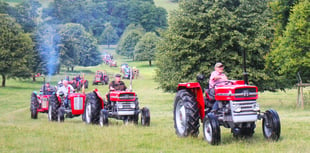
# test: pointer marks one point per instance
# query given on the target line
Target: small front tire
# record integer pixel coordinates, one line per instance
(145, 117)
(271, 125)
(211, 130)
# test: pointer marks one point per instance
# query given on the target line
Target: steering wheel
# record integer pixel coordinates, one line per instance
(223, 82)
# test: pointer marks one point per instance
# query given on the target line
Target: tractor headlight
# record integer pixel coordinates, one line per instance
(256, 107)
(132, 105)
(237, 108)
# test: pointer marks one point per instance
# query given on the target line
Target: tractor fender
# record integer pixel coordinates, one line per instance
(99, 96)
(195, 89)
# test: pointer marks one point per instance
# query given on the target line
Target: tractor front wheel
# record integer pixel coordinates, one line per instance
(211, 130)
(92, 109)
(145, 116)
(104, 118)
(61, 114)
(34, 106)
(186, 114)
(271, 125)
(53, 107)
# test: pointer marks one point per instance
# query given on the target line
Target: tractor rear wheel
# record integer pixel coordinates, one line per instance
(92, 108)
(211, 130)
(145, 116)
(104, 118)
(34, 106)
(53, 107)
(271, 125)
(186, 114)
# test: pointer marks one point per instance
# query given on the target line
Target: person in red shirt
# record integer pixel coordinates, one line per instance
(216, 77)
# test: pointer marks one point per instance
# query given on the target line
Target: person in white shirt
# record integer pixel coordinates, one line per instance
(65, 89)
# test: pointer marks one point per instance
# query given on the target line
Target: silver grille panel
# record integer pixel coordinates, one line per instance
(244, 111)
(78, 103)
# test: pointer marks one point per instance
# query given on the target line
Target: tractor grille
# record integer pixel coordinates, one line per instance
(78, 103)
(245, 92)
(44, 102)
(127, 96)
(97, 79)
(244, 111)
(125, 105)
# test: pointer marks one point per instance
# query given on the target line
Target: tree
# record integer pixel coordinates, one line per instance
(77, 46)
(202, 33)
(128, 41)
(292, 54)
(26, 14)
(146, 48)
(109, 35)
(16, 51)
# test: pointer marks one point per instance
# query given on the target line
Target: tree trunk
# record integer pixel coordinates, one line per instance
(58, 69)
(150, 62)
(3, 80)
(33, 77)
(72, 68)
(68, 68)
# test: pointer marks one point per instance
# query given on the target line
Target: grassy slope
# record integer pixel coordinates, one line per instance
(19, 133)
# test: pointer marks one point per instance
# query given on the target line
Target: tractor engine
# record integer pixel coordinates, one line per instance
(237, 103)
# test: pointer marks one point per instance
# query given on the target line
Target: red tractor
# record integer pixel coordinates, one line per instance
(113, 63)
(101, 77)
(121, 105)
(237, 109)
(39, 103)
(57, 108)
(77, 82)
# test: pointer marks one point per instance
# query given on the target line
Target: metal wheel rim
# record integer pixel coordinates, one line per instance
(88, 113)
(208, 131)
(49, 116)
(101, 121)
(143, 120)
(267, 128)
(180, 117)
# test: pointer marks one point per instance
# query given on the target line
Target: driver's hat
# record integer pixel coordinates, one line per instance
(117, 75)
(218, 64)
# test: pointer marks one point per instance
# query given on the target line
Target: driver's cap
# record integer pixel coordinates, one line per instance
(219, 64)
(117, 75)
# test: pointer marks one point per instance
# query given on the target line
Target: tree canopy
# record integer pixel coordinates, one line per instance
(16, 50)
(202, 33)
(146, 47)
(292, 53)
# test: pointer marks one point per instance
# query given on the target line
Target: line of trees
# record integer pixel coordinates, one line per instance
(202, 33)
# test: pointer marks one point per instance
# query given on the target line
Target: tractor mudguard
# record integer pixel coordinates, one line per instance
(99, 96)
(195, 88)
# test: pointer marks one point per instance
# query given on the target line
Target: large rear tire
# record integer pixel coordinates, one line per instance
(92, 108)
(186, 114)
(145, 116)
(54, 104)
(211, 130)
(271, 125)
(34, 104)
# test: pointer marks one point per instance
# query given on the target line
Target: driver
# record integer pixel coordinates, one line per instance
(117, 84)
(47, 89)
(216, 77)
(64, 89)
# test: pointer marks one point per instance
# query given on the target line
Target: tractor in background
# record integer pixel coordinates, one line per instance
(39, 102)
(101, 77)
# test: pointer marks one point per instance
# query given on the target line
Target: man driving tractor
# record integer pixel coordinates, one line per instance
(217, 76)
(47, 89)
(64, 90)
(117, 84)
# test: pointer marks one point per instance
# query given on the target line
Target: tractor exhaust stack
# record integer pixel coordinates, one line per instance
(245, 73)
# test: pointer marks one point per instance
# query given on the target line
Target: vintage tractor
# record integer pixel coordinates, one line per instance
(113, 63)
(101, 77)
(238, 110)
(121, 105)
(57, 108)
(77, 82)
(39, 103)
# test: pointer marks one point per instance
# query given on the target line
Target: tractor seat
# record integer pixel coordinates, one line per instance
(210, 94)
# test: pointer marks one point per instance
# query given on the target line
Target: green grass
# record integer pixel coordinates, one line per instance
(168, 5)
(19, 133)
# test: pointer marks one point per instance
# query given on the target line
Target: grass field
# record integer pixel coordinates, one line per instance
(19, 133)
